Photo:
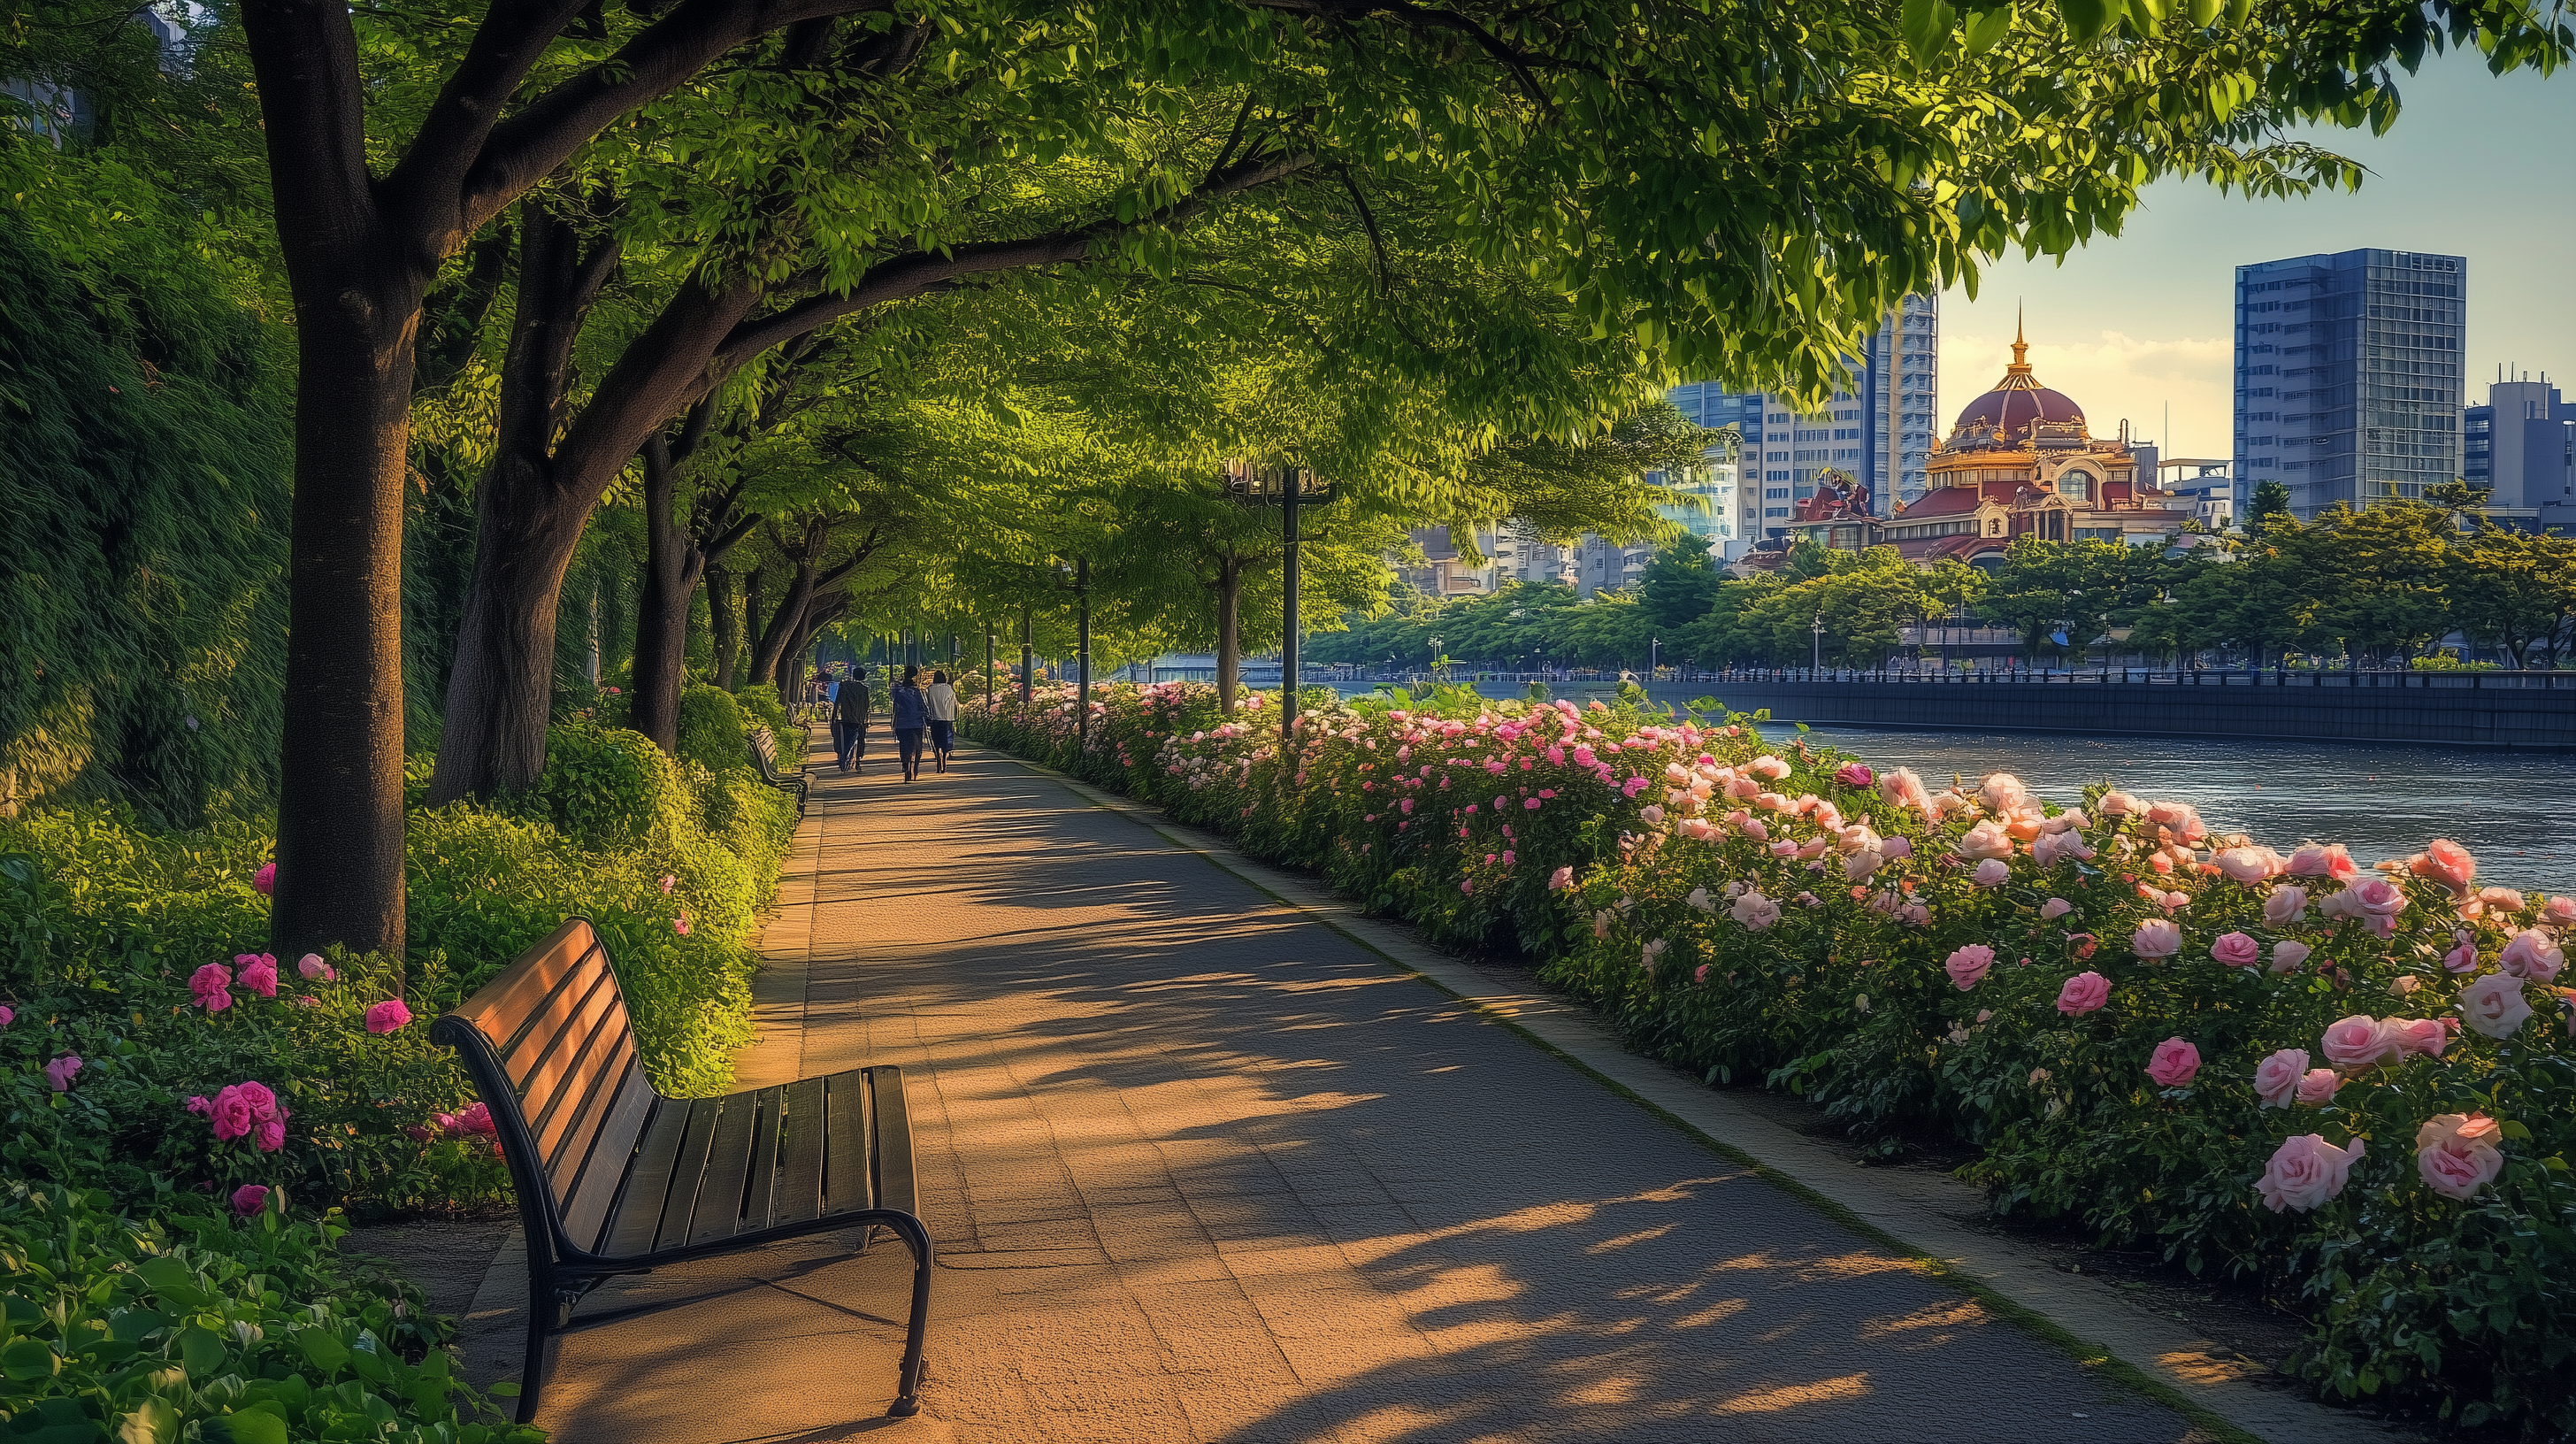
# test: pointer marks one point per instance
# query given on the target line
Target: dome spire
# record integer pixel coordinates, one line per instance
(2021, 348)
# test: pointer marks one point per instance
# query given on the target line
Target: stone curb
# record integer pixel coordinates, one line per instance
(1919, 1214)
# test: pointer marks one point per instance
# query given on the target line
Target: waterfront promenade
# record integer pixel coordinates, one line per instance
(1202, 1168)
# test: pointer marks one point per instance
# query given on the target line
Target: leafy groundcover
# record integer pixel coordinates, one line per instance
(187, 1122)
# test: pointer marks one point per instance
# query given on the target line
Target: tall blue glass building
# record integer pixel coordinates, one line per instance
(2348, 376)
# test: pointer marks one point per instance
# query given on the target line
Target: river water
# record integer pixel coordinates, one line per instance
(2511, 809)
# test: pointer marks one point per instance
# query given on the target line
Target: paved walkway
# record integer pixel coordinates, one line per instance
(1203, 1169)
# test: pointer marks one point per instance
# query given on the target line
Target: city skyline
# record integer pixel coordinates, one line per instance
(2132, 323)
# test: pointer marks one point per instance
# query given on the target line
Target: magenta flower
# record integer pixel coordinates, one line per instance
(250, 1198)
(680, 925)
(388, 1016)
(259, 974)
(316, 970)
(475, 1120)
(210, 986)
(265, 879)
(59, 1072)
(2083, 993)
(2174, 1063)
(7, 1015)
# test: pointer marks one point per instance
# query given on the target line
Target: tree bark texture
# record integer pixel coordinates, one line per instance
(724, 620)
(1229, 631)
(672, 565)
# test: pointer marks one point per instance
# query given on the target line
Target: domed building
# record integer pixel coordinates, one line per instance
(2019, 462)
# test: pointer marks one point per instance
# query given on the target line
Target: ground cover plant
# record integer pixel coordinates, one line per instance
(168, 1088)
(2351, 1079)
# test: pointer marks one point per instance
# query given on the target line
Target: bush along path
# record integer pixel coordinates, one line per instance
(2353, 1082)
(186, 1122)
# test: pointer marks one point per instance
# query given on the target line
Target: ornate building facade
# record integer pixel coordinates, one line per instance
(2019, 461)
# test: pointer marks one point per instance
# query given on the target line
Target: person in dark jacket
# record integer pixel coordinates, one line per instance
(850, 720)
(911, 719)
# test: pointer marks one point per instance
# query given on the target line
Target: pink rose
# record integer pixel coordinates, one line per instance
(475, 1121)
(2156, 938)
(2285, 906)
(2243, 864)
(2463, 956)
(2495, 1006)
(1561, 880)
(265, 879)
(1967, 967)
(2003, 792)
(1769, 767)
(2458, 1175)
(2276, 1079)
(8, 1015)
(316, 970)
(2529, 955)
(387, 1016)
(232, 1115)
(1988, 839)
(2117, 804)
(1896, 847)
(2416, 1035)
(2458, 1132)
(59, 1072)
(2055, 908)
(2319, 1086)
(2502, 899)
(259, 974)
(200, 1105)
(2236, 950)
(2287, 955)
(1852, 774)
(2306, 1171)
(2358, 1042)
(2174, 1063)
(668, 882)
(2318, 860)
(269, 1134)
(1991, 873)
(2559, 912)
(1755, 911)
(680, 924)
(2083, 993)
(208, 984)
(2447, 863)
(250, 1198)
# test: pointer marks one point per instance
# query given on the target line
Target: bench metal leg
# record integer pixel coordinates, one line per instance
(908, 1385)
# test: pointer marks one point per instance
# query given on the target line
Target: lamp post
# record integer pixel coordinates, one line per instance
(1082, 654)
(1654, 656)
(1293, 488)
(1818, 662)
(1435, 656)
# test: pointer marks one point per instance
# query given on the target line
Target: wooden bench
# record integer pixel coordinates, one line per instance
(764, 755)
(614, 1178)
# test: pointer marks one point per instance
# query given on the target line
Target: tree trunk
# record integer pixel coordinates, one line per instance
(672, 565)
(340, 798)
(1229, 632)
(725, 620)
(751, 588)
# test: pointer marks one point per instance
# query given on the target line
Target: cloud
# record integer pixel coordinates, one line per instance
(2115, 376)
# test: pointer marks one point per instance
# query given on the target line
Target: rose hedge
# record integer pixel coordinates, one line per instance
(2355, 1083)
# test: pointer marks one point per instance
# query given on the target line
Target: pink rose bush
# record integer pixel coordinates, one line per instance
(2170, 1033)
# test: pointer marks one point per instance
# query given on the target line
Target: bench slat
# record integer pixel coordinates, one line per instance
(764, 1158)
(570, 1147)
(718, 1213)
(798, 1194)
(638, 1213)
(568, 1074)
(846, 1184)
(589, 1189)
(687, 1172)
(500, 1007)
(893, 1150)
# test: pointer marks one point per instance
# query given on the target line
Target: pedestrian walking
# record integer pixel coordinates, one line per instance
(850, 705)
(940, 703)
(911, 719)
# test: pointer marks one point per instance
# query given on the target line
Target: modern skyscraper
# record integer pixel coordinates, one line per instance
(2348, 376)
(2521, 447)
(1879, 433)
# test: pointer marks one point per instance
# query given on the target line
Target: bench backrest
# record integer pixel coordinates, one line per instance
(764, 747)
(556, 1030)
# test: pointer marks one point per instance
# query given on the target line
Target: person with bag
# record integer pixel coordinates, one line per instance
(941, 705)
(850, 703)
(911, 718)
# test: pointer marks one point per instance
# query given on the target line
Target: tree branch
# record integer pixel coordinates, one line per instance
(920, 272)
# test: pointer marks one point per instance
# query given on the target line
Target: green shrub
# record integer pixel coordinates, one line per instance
(712, 727)
(192, 1324)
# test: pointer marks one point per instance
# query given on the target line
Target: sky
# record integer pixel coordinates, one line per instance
(2476, 166)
